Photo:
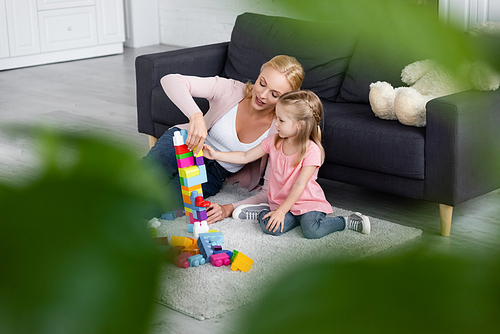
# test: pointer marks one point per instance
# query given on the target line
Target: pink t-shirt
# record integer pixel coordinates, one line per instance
(282, 176)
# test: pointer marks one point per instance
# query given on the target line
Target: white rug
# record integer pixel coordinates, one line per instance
(206, 291)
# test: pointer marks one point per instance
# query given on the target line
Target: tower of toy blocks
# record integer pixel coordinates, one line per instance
(192, 173)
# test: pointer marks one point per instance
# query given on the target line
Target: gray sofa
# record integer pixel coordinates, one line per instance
(447, 162)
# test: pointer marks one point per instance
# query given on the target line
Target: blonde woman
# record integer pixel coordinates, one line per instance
(240, 116)
(295, 155)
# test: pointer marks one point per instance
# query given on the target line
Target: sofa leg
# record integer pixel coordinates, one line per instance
(445, 213)
(152, 141)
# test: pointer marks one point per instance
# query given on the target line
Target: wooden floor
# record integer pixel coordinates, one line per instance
(98, 95)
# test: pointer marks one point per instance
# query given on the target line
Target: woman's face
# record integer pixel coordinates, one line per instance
(268, 87)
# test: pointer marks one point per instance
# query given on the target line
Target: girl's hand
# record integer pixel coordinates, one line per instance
(216, 212)
(277, 220)
(197, 133)
(209, 152)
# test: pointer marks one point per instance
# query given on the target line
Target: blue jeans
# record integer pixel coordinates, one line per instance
(314, 224)
(162, 154)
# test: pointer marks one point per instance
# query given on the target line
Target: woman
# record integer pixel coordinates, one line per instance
(239, 118)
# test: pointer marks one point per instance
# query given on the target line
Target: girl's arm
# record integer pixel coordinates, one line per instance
(278, 216)
(238, 157)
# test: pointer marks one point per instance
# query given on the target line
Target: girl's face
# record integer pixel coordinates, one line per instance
(270, 85)
(286, 126)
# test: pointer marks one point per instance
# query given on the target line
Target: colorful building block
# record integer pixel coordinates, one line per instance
(214, 238)
(181, 241)
(196, 260)
(190, 228)
(169, 215)
(200, 227)
(241, 262)
(189, 172)
(205, 248)
(181, 260)
(185, 162)
(220, 259)
(229, 253)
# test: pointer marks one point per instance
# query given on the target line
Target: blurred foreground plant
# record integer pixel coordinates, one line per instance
(408, 294)
(75, 256)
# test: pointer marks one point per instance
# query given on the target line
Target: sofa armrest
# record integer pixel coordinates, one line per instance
(462, 146)
(204, 61)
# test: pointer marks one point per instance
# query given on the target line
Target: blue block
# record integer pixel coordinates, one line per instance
(214, 238)
(224, 251)
(196, 260)
(194, 207)
(204, 246)
(195, 180)
(184, 135)
(170, 215)
(190, 228)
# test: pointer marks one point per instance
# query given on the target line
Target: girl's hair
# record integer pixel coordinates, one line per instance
(287, 65)
(308, 110)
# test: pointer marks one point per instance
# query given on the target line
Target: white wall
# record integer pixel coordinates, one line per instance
(464, 14)
(199, 22)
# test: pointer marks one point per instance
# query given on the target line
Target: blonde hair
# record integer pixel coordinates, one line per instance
(287, 65)
(308, 110)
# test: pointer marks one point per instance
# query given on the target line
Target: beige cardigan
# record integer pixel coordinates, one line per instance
(222, 95)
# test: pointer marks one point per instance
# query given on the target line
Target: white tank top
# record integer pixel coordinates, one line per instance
(222, 137)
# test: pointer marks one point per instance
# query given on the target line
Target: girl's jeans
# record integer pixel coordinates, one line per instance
(162, 154)
(314, 224)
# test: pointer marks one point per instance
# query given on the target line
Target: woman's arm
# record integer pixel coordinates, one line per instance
(238, 157)
(278, 216)
(181, 90)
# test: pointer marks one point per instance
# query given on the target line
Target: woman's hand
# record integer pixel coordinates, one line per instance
(277, 220)
(197, 133)
(216, 212)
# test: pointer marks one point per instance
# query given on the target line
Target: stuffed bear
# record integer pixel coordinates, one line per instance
(427, 79)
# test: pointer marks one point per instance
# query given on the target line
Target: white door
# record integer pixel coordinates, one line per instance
(4, 36)
(22, 26)
(110, 21)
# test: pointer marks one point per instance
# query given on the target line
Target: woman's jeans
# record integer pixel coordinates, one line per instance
(314, 224)
(162, 154)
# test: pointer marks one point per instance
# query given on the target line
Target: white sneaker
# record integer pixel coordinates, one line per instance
(358, 222)
(249, 211)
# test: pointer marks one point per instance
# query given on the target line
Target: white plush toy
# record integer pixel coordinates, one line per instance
(427, 79)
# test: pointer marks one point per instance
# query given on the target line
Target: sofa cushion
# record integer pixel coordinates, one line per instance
(323, 49)
(354, 137)
(372, 61)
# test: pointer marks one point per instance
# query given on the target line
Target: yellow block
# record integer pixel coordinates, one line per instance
(241, 262)
(181, 241)
(188, 172)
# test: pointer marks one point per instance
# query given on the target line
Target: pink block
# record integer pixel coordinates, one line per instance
(181, 260)
(220, 259)
(186, 162)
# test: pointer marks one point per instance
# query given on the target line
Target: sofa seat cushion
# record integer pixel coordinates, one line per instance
(354, 137)
(323, 49)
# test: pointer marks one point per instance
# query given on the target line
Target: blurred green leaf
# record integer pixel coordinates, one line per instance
(403, 295)
(75, 254)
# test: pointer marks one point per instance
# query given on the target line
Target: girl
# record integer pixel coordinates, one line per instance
(295, 155)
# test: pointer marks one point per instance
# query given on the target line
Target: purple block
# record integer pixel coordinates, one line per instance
(199, 161)
(217, 248)
(201, 215)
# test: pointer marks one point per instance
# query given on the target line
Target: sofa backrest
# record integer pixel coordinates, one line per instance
(323, 49)
(374, 59)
